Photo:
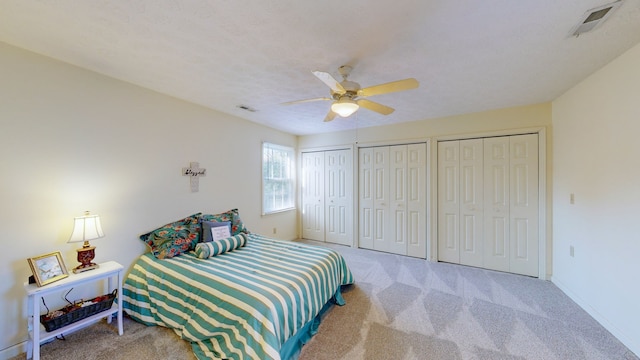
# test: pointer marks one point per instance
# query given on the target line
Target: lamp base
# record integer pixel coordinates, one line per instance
(85, 257)
(82, 267)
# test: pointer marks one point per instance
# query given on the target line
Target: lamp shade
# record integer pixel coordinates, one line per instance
(85, 228)
(344, 107)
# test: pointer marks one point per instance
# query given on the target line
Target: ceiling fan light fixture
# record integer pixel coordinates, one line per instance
(344, 107)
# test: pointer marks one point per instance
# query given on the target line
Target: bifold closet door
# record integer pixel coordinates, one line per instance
(392, 199)
(417, 200)
(524, 205)
(338, 197)
(460, 202)
(511, 204)
(449, 201)
(373, 224)
(488, 203)
(313, 196)
(365, 198)
(327, 196)
(396, 239)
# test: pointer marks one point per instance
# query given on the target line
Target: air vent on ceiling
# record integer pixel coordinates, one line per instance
(594, 18)
(247, 108)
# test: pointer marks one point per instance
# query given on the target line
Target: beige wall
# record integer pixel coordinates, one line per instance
(73, 140)
(597, 158)
(496, 122)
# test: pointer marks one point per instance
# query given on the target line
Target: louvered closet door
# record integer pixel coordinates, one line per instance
(313, 196)
(338, 198)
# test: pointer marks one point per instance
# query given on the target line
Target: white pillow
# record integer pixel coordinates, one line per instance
(220, 232)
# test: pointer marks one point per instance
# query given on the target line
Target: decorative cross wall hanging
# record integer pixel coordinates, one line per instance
(194, 172)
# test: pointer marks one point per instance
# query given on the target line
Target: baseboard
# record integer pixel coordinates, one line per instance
(628, 341)
(21, 348)
(14, 350)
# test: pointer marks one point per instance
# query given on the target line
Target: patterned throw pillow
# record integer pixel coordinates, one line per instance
(174, 238)
(232, 215)
(170, 242)
(216, 247)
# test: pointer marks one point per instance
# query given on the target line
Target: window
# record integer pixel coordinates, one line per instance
(277, 178)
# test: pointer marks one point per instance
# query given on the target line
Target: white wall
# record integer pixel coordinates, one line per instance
(73, 140)
(597, 158)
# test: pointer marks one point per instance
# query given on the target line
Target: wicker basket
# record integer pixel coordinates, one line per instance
(76, 312)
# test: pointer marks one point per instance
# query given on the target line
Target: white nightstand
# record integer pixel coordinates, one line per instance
(110, 270)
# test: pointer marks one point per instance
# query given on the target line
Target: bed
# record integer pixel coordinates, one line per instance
(262, 300)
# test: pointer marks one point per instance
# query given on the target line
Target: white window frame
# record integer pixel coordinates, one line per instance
(282, 175)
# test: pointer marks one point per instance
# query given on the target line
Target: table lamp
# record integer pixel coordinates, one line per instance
(85, 228)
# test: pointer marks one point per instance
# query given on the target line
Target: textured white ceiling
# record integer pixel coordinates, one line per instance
(468, 55)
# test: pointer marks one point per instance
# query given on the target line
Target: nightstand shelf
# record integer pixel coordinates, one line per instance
(110, 271)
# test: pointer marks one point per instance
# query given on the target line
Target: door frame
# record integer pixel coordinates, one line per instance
(544, 259)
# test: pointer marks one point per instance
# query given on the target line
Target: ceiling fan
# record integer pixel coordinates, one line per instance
(348, 97)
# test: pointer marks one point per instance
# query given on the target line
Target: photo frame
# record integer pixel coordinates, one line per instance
(48, 268)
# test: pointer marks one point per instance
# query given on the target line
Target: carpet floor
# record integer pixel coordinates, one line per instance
(403, 308)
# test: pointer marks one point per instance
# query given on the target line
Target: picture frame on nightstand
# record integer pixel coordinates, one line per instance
(48, 268)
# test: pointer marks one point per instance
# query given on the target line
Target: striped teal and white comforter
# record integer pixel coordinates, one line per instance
(242, 304)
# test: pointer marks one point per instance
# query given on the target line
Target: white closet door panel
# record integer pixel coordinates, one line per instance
(338, 199)
(490, 217)
(313, 196)
(338, 228)
(471, 202)
(366, 194)
(524, 204)
(381, 202)
(380, 229)
(397, 242)
(448, 201)
(496, 209)
(416, 200)
(392, 199)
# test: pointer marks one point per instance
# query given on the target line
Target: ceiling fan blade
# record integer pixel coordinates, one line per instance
(400, 85)
(330, 82)
(330, 116)
(374, 106)
(306, 100)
